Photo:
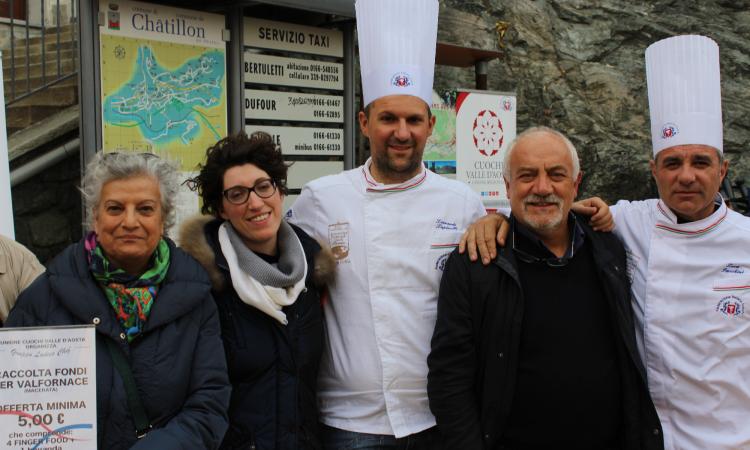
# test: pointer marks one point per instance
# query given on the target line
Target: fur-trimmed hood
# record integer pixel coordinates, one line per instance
(192, 239)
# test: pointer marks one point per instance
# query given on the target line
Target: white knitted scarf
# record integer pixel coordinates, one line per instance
(268, 299)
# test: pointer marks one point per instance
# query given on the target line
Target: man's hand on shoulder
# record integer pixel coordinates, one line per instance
(600, 215)
(482, 235)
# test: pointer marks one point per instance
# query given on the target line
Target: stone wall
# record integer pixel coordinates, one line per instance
(578, 66)
(47, 209)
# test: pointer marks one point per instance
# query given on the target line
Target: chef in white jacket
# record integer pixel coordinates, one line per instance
(689, 258)
(391, 225)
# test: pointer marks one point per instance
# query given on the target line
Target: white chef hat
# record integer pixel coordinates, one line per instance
(684, 92)
(397, 47)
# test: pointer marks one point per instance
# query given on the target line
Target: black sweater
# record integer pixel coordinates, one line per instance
(474, 361)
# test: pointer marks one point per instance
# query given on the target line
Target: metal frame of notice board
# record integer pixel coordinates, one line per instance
(299, 88)
(90, 84)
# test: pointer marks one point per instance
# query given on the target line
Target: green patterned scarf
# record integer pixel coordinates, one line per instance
(131, 296)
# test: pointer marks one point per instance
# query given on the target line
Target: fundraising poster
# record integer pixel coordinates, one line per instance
(485, 127)
(48, 388)
(163, 77)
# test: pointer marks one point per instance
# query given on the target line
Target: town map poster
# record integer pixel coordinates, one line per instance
(163, 81)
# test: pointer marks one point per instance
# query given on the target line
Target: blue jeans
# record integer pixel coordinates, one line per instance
(337, 439)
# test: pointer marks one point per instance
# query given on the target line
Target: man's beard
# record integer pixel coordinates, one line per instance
(391, 169)
(551, 222)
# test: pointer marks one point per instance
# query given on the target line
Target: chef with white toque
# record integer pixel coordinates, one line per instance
(391, 225)
(689, 258)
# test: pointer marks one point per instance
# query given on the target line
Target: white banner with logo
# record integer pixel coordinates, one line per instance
(485, 127)
(48, 388)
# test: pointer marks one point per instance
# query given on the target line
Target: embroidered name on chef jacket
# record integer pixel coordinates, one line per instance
(445, 235)
(733, 268)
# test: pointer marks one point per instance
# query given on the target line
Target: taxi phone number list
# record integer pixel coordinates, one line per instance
(327, 114)
(331, 135)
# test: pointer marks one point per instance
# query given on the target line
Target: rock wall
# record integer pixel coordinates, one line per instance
(578, 66)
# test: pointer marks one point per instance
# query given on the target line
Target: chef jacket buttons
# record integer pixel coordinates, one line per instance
(122, 336)
(96, 321)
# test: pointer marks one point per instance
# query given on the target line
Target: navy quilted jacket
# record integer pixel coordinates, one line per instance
(273, 368)
(178, 362)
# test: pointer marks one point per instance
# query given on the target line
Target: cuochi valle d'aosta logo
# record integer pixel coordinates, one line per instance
(401, 79)
(669, 130)
(731, 306)
(487, 132)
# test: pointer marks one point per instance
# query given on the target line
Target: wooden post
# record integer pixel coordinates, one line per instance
(480, 71)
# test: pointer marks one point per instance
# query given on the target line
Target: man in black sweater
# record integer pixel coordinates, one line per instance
(537, 349)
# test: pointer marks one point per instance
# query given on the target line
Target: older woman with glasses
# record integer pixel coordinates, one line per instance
(157, 329)
(268, 278)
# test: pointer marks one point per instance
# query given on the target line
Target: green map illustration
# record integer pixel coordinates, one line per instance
(441, 146)
(162, 97)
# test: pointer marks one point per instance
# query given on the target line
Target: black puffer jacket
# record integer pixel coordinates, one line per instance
(177, 362)
(475, 348)
(273, 368)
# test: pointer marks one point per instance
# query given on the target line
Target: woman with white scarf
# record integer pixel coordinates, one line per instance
(268, 278)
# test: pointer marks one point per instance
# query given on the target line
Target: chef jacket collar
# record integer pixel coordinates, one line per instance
(531, 242)
(374, 186)
(667, 220)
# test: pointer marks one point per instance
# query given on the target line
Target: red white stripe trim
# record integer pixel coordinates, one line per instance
(376, 187)
(731, 288)
(703, 230)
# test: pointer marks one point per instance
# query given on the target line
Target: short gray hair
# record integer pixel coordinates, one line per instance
(106, 167)
(542, 129)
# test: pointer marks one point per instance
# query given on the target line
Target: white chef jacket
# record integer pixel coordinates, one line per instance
(691, 286)
(391, 243)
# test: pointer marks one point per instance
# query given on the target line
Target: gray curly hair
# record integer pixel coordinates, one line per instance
(106, 167)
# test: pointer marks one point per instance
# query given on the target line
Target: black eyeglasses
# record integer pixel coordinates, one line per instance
(238, 195)
(531, 259)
